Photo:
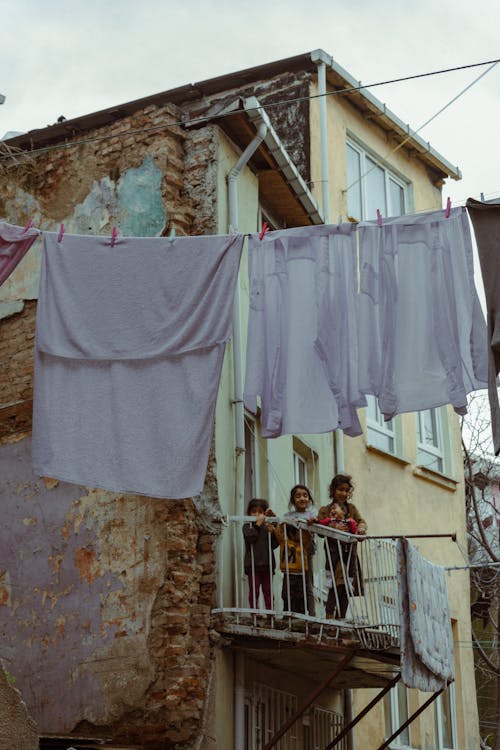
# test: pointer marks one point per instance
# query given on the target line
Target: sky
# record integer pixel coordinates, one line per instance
(73, 57)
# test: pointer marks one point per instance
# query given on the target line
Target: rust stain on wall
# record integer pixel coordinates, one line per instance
(86, 562)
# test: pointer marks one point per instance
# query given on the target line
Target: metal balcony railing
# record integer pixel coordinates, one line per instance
(346, 586)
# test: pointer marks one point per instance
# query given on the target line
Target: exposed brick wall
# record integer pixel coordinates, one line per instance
(17, 334)
(63, 177)
(17, 729)
(201, 179)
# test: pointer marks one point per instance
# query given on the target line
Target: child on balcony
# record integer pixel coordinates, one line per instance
(341, 556)
(296, 549)
(259, 562)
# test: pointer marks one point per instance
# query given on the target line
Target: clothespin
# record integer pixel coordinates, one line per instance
(28, 225)
(61, 232)
(264, 229)
(379, 218)
(114, 235)
(448, 208)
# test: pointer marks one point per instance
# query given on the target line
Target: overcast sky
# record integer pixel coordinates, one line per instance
(72, 57)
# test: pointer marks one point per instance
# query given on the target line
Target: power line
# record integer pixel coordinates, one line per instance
(427, 122)
(268, 105)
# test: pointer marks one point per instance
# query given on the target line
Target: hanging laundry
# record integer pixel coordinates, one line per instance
(14, 244)
(128, 355)
(485, 219)
(426, 638)
(301, 347)
(422, 335)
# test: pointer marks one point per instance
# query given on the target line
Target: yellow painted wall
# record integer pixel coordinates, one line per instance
(392, 494)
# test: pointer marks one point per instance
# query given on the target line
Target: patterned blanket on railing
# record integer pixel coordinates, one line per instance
(427, 661)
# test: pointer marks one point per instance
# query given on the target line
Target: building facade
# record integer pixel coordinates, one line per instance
(133, 608)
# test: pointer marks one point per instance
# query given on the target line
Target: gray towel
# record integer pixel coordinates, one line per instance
(129, 348)
(485, 219)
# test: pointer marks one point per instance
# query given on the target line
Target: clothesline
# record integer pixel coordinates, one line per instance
(222, 115)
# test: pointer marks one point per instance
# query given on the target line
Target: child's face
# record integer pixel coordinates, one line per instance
(257, 510)
(337, 512)
(301, 499)
(342, 493)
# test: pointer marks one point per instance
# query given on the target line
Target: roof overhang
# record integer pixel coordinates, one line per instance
(373, 109)
(337, 77)
(281, 186)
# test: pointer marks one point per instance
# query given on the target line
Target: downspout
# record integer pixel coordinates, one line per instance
(239, 428)
(338, 437)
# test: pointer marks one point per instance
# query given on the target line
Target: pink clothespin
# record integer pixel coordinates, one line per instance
(264, 229)
(28, 225)
(61, 232)
(379, 218)
(114, 235)
(448, 208)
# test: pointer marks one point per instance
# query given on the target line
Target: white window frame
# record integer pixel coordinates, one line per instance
(299, 467)
(394, 717)
(449, 695)
(391, 430)
(442, 449)
(389, 174)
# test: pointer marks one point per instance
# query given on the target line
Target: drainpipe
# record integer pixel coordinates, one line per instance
(338, 438)
(232, 185)
(239, 701)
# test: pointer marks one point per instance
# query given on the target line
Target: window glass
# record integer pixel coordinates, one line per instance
(380, 434)
(299, 469)
(396, 198)
(374, 190)
(404, 737)
(354, 183)
(431, 452)
(447, 728)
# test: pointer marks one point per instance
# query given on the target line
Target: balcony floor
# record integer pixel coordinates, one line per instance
(312, 648)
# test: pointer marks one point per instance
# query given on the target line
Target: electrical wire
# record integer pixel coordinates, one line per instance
(427, 122)
(268, 105)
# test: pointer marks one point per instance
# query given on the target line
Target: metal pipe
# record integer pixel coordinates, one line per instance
(410, 720)
(239, 702)
(232, 185)
(310, 699)
(363, 713)
(239, 424)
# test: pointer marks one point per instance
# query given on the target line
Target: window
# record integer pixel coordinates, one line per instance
(269, 710)
(433, 441)
(299, 469)
(326, 725)
(395, 714)
(370, 186)
(387, 436)
(252, 482)
(445, 720)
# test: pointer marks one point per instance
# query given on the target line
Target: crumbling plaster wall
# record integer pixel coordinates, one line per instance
(106, 598)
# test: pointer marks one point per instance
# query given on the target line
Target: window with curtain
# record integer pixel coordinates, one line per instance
(370, 185)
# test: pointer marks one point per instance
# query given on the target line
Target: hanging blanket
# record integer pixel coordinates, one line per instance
(427, 661)
(129, 347)
(14, 244)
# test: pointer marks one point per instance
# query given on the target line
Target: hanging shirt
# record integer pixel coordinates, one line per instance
(14, 244)
(302, 332)
(485, 219)
(422, 335)
(128, 354)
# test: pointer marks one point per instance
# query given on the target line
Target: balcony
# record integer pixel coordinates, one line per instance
(347, 602)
